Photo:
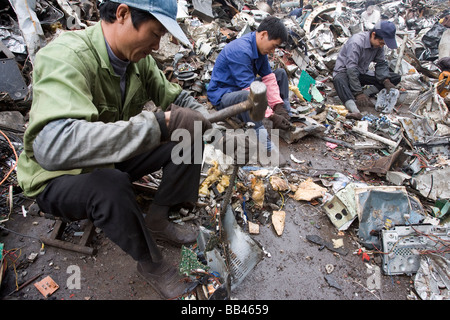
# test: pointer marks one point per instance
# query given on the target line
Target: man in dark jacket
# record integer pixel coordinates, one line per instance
(351, 71)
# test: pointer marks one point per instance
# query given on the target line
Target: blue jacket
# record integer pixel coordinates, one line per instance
(236, 67)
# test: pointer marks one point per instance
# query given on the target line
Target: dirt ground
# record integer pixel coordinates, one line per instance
(293, 268)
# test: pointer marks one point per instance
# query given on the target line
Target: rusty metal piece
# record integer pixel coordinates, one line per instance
(384, 164)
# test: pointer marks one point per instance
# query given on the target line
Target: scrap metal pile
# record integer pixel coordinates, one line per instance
(399, 200)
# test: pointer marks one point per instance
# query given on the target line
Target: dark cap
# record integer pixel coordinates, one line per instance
(386, 30)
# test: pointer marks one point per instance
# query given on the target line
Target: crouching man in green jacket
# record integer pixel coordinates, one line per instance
(89, 137)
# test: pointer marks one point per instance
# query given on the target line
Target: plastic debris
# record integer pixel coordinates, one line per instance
(387, 101)
(46, 286)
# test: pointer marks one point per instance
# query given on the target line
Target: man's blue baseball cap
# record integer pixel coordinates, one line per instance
(163, 10)
(386, 30)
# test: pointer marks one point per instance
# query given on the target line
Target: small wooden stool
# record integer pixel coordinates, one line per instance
(54, 239)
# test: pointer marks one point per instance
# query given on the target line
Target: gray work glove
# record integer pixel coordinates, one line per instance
(280, 118)
(279, 122)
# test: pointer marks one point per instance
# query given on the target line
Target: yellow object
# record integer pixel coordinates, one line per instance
(308, 190)
(213, 175)
(295, 90)
(223, 184)
(278, 184)
(340, 109)
(444, 75)
(258, 192)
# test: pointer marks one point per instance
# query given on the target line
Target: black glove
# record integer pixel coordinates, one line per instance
(280, 122)
(388, 85)
(363, 100)
(280, 110)
(184, 118)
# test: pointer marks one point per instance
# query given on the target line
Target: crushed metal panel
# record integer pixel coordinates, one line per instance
(300, 59)
(244, 252)
(11, 80)
(431, 105)
(30, 25)
(417, 130)
(432, 280)
(433, 184)
(203, 9)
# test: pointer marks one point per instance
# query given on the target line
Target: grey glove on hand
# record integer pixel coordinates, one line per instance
(280, 118)
(280, 122)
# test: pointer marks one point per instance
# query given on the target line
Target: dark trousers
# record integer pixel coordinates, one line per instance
(341, 84)
(107, 198)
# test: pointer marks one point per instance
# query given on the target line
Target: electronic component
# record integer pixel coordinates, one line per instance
(404, 245)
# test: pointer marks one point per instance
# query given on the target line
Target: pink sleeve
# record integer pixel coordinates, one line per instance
(269, 111)
(273, 91)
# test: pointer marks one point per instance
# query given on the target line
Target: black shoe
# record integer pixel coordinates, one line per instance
(167, 283)
(354, 116)
(175, 234)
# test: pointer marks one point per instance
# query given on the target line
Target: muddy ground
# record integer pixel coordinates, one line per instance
(293, 268)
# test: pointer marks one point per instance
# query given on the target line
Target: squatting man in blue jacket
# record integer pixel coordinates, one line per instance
(245, 60)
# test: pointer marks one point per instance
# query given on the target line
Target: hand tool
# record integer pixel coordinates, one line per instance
(256, 105)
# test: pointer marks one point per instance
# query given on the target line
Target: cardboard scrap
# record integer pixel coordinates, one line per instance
(278, 219)
(253, 228)
(279, 184)
(308, 190)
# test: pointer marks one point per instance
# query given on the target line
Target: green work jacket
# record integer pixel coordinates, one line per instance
(74, 79)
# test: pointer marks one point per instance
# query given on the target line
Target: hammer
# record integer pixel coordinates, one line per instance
(256, 104)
